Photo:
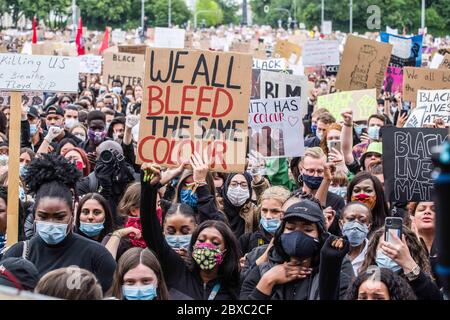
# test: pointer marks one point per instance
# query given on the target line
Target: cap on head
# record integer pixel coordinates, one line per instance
(307, 210)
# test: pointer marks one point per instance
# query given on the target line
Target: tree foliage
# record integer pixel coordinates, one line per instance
(209, 11)
(394, 13)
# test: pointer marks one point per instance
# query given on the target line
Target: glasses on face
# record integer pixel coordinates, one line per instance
(235, 184)
(311, 171)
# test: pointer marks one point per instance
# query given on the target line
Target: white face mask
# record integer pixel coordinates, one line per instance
(82, 137)
(238, 196)
(70, 123)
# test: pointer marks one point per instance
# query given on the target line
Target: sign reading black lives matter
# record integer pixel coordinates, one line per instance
(407, 162)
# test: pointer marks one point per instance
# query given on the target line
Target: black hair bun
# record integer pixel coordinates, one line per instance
(48, 168)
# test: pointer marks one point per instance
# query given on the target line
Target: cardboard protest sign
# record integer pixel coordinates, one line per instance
(415, 79)
(430, 105)
(445, 63)
(320, 52)
(269, 64)
(362, 102)
(195, 101)
(127, 67)
(256, 80)
(393, 82)
(406, 51)
(363, 64)
(281, 85)
(407, 164)
(290, 51)
(38, 73)
(169, 38)
(276, 127)
(90, 64)
(133, 49)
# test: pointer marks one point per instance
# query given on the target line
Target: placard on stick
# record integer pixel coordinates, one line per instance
(195, 101)
(415, 79)
(430, 106)
(407, 164)
(362, 102)
(276, 127)
(127, 67)
(29, 73)
(363, 64)
(290, 51)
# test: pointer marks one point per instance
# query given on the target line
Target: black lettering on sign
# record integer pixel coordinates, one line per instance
(407, 162)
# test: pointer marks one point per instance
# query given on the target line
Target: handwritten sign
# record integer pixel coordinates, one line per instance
(290, 51)
(276, 127)
(127, 67)
(431, 105)
(269, 64)
(195, 101)
(90, 64)
(445, 63)
(407, 162)
(169, 38)
(406, 51)
(256, 81)
(415, 79)
(363, 64)
(320, 52)
(362, 102)
(393, 82)
(38, 73)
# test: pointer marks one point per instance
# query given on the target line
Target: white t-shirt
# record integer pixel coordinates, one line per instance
(358, 261)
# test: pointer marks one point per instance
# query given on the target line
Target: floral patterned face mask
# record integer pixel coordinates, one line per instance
(207, 255)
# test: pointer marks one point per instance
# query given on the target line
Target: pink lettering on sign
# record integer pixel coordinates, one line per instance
(393, 81)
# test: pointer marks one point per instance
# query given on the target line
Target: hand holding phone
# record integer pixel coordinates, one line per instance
(392, 225)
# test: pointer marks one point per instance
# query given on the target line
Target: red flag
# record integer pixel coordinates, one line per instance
(34, 39)
(79, 40)
(105, 42)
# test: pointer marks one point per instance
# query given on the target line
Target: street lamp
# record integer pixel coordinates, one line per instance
(351, 16)
(169, 23)
(322, 12)
(423, 16)
(142, 20)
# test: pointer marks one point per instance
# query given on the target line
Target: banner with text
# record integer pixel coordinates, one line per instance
(407, 164)
(195, 101)
(276, 127)
(430, 106)
(415, 79)
(320, 52)
(406, 51)
(127, 67)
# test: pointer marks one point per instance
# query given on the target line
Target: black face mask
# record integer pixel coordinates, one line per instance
(300, 245)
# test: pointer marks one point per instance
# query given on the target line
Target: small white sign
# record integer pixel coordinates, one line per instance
(169, 38)
(321, 52)
(20, 72)
(91, 64)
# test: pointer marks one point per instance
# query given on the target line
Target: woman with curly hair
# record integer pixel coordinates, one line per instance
(51, 178)
(380, 284)
(406, 257)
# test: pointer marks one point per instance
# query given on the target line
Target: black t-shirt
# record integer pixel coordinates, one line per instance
(74, 250)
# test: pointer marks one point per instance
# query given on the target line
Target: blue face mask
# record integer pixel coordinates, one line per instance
(311, 182)
(33, 129)
(139, 292)
(270, 225)
(91, 229)
(22, 195)
(178, 242)
(340, 191)
(188, 197)
(355, 231)
(23, 170)
(374, 132)
(359, 129)
(383, 261)
(51, 233)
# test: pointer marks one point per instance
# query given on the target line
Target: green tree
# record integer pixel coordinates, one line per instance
(97, 14)
(158, 12)
(210, 11)
(229, 9)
